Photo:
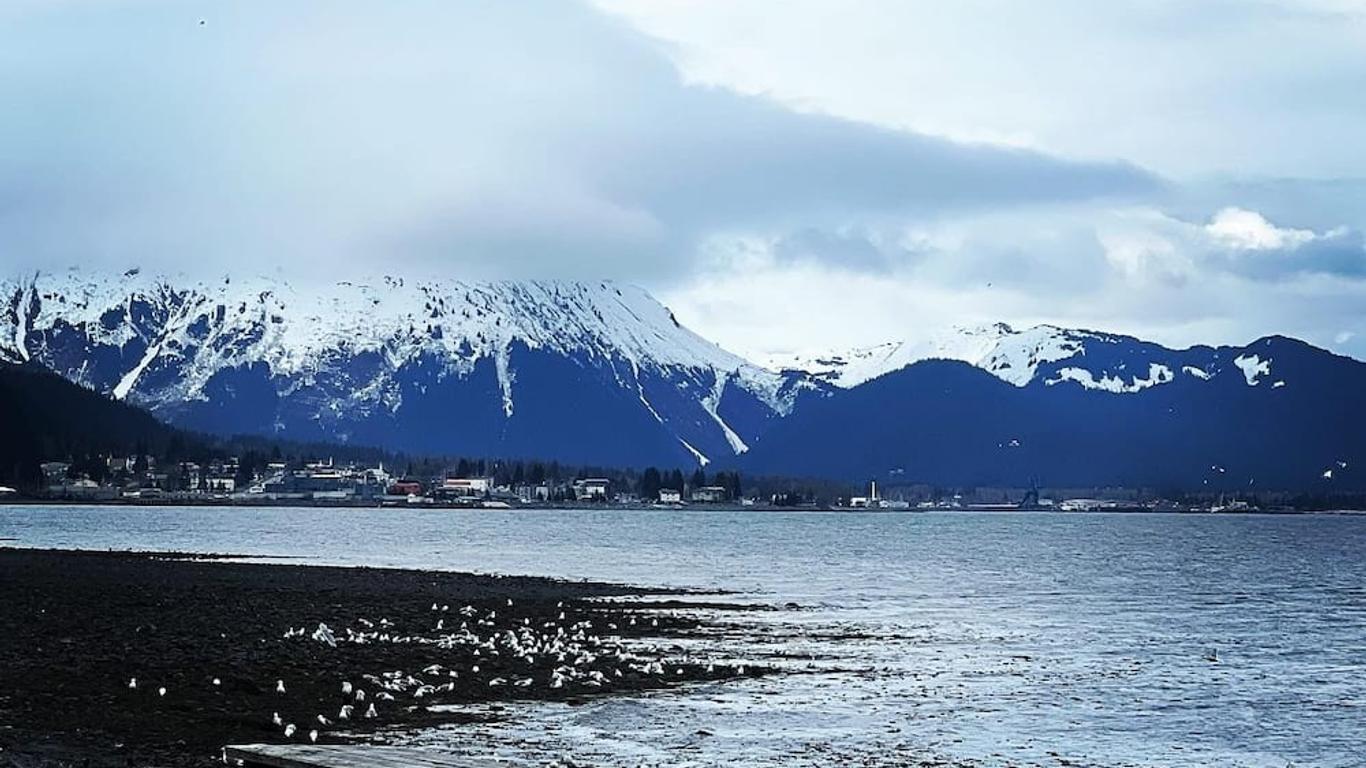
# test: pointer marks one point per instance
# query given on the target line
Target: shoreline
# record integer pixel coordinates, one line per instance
(118, 658)
(16, 501)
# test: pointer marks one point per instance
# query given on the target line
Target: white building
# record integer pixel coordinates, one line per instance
(592, 489)
(220, 484)
(466, 487)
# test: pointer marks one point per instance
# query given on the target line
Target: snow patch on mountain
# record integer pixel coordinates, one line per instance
(1044, 353)
(1017, 355)
(1157, 374)
(1253, 367)
(849, 368)
(1011, 355)
(701, 459)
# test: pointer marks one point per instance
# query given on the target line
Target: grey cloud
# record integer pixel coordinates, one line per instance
(1338, 253)
(859, 251)
(1319, 204)
(498, 139)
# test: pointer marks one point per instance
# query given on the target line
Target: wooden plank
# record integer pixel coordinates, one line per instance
(345, 756)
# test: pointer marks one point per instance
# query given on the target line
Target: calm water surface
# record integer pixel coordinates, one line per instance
(988, 639)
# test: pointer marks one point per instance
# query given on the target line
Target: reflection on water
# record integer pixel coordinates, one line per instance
(993, 639)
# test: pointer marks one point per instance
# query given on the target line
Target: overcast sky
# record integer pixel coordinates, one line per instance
(786, 175)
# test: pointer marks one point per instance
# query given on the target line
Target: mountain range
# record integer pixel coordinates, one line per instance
(1275, 414)
(588, 372)
(603, 373)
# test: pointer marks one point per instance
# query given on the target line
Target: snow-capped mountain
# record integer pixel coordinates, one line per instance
(1077, 409)
(586, 372)
(851, 367)
(1046, 355)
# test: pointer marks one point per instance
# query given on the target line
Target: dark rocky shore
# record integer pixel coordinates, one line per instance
(119, 659)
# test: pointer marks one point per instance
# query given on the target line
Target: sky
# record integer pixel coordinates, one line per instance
(787, 176)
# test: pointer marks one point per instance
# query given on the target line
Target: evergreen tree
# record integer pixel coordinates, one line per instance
(650, 483)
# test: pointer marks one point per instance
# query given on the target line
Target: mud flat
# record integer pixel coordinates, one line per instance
(161, 659)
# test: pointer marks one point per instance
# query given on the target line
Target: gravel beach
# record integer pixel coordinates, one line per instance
(153, 659)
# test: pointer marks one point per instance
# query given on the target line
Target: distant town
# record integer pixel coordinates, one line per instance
(325, 481)
(505, 485)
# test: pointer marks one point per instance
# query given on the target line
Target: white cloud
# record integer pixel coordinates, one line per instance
(1240, 229)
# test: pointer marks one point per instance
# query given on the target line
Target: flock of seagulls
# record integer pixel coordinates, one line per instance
(479, 649)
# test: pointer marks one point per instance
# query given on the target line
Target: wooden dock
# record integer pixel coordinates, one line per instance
(344, 756)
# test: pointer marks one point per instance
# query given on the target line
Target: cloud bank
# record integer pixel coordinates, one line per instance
(825, 175)
(526, 139)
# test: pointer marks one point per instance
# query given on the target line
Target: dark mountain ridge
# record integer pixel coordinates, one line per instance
(950, 423)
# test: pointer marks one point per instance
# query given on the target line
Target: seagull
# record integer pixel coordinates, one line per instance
(324, 720)
(313, 736)
(369, 713)
(276, 720)
(161, 691)
(216, 681)
(345, 713)
(279, 686)
(132, 682)
(289, 731)
(346, 689)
